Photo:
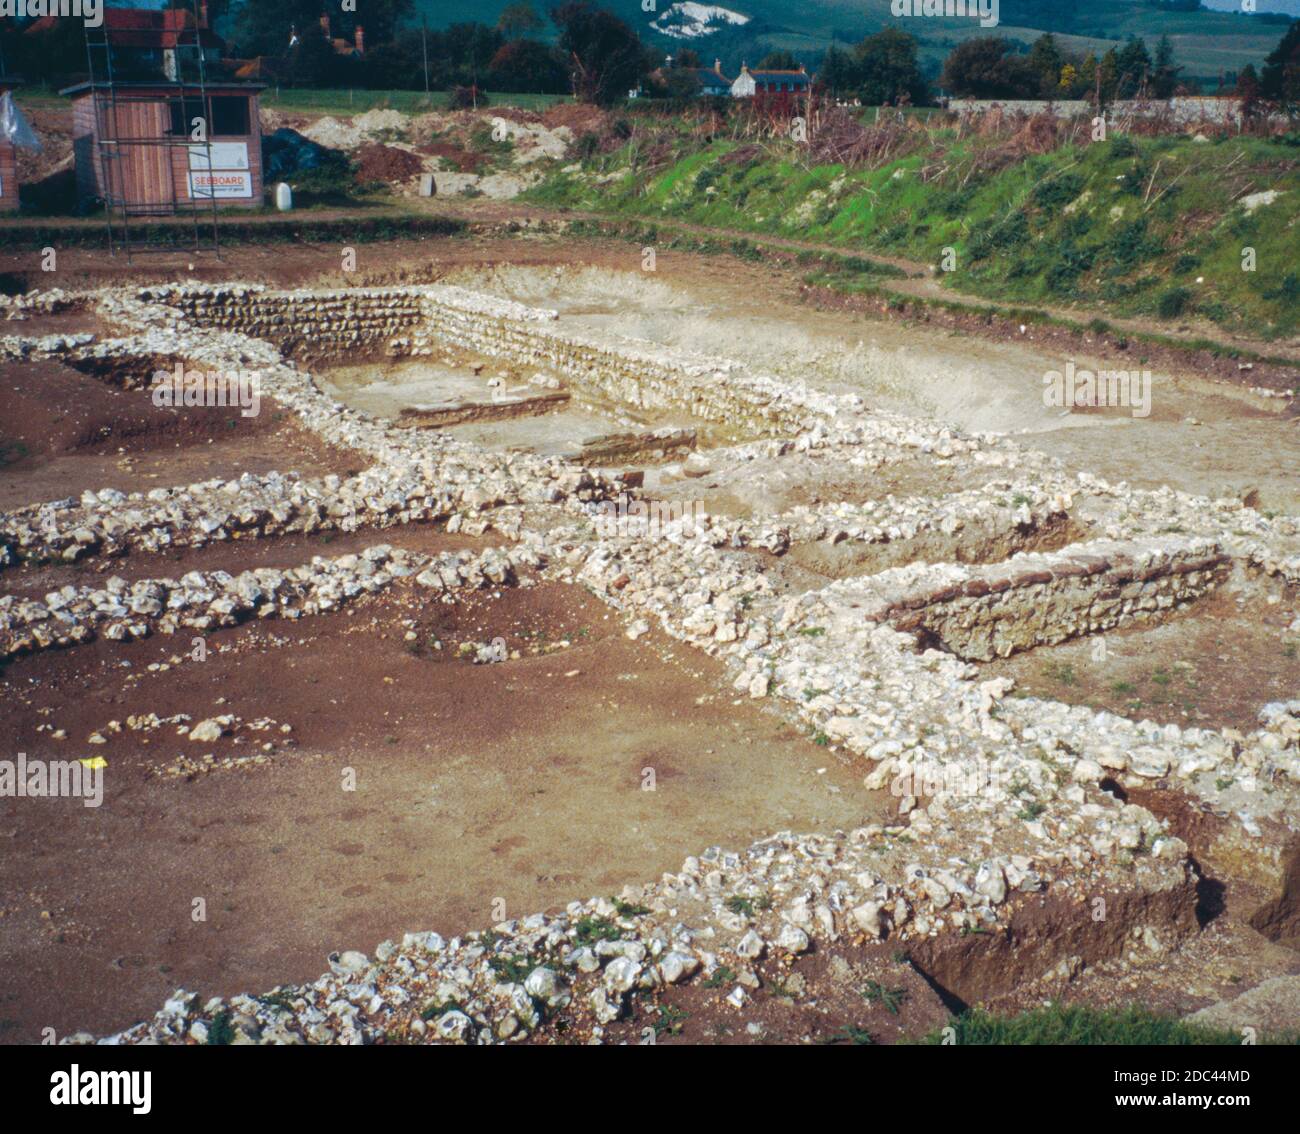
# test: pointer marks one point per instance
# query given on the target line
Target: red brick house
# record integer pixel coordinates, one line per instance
(773, 91)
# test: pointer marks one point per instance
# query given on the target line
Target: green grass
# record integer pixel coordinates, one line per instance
(1129, 225)
(890, 998)
(11, 452)
(670, 1020)
(221, 1032)
(590, 929)
(1078, 1026)
(749, 906)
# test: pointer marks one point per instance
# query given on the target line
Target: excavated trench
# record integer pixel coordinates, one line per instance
(1279, 919)
(851, 558)
(1211, 664)
(499, 406)
(523, 779)
(983, 968)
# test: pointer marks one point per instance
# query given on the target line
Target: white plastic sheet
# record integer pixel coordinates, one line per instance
(14, 127)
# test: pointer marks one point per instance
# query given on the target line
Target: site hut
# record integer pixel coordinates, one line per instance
(154, 179)
(773, 91)
(8, 157)
(153, 72)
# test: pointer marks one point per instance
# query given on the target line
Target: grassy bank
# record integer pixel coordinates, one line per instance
(1079, 1026)
(1134, 226)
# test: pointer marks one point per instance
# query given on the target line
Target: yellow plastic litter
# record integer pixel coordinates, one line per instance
(94, 763)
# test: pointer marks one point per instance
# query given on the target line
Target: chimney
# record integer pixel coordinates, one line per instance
(325, 25)
(717, 66)
(360, 40)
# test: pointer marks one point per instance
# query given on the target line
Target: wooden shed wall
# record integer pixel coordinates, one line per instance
(153, 175)
(8, 177)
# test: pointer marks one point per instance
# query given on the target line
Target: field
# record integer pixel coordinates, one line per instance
(1207, 43)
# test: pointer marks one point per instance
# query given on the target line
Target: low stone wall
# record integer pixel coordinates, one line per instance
(306, 324)
(416, 321)
(1035, 600)
(122, 611)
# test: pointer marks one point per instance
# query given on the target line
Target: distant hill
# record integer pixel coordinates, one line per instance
(1207, 42)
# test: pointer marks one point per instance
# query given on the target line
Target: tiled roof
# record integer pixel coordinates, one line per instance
(782, 76)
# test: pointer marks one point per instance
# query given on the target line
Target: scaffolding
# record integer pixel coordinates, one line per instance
(115, 101)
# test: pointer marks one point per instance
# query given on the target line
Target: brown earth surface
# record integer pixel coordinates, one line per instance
(521, 782)
(63, 432)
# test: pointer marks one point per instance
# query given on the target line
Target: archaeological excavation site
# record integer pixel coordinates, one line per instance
(567, 654)
(604, 522)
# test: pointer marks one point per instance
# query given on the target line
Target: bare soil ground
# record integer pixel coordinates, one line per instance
(521, 781)
(63, 432)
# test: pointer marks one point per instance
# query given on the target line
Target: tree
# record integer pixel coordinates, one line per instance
(604, 56)
(1086, 77)
(1280, 79)
(519, 20)
(263, 29)
(982, 68)
(1108, 77)
(399, 64)
(779, 61)
(839, 73)
(1164, 75)
(680, 82)
(380, 18)
(527, 65)
(1046, 60)
(313, 62)
(1133, 66)
(463, 53)
(1248, 92)
(686, 58)
(887, 70)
